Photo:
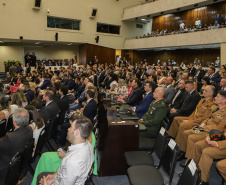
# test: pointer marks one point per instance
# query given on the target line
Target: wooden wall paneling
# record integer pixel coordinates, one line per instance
(207, 16)
(104, 55)
(82, 54)
(180, 55)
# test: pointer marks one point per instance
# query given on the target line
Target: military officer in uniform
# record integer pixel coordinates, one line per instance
(202, 111)
(180, 124)
(221, 165)
(217, 121)
(155, 114)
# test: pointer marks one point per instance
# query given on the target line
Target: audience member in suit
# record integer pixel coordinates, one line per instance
(65, 79)
(123, 74)
(135, 96)
(71, 83)
(108, 82)
(189, 104)
(34, 76)
(101, 75)
(15, 141)
(169, 91)
(143, 106)
(94, 78)
(64, 103)
(143, 83)
(29, 94)
(179, 71)
(221, 85)
(192, 70)
(46, 82)
(171, 70)
(50, 109)
(90, 109)
(179, 78)
(200, 73)
(180, 96)
(28, 69)
(143, 71)
(78, 104)
(213, 76)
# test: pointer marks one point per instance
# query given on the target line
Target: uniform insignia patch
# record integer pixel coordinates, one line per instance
(218, 116)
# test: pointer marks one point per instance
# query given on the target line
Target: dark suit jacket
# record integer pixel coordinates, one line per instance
(143, 106)
(45, 84)
(201, 75)
(12, 143)
(90, 110)
(178, 102)
(193, 71)
(189, 104)
(169, 94)
(101, 77)
(64, 107)
(107, 85)
(49, 111)
(65, 81)
(71, 84)
(135, 97)
(28, 69)
(95, 80)
(29, 95)
(80, 90)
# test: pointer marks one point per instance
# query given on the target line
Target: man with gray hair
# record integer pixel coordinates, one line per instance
(15, 141)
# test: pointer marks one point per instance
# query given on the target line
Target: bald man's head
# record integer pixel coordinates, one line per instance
(159, 93)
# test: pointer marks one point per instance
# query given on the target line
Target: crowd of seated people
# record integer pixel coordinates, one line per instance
(55, 62)
(182, 28)
(152, 93)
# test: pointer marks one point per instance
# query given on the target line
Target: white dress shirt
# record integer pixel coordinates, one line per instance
(75, 167)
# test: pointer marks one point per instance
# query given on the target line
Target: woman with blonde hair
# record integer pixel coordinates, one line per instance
(23, 97)
(16, 102)
(4, 108)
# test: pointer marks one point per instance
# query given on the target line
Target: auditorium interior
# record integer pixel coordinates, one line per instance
(141, 43)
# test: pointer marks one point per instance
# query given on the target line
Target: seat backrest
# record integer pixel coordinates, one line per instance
(10, 126)
(26, 158)
(2, 127)
(14, 170)
(169, 158)
(191, 174)
(48, 127)
(165, 123)
(88, 179)
(40, 143)
(160, 142)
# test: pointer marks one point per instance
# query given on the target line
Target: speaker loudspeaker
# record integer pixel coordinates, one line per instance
(37, 3)
(56, 37)
(97, 39)
(94, 12)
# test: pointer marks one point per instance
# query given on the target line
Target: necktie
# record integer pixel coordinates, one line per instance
(175, 97)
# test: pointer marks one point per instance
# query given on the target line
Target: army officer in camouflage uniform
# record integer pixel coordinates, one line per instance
(155, 114)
